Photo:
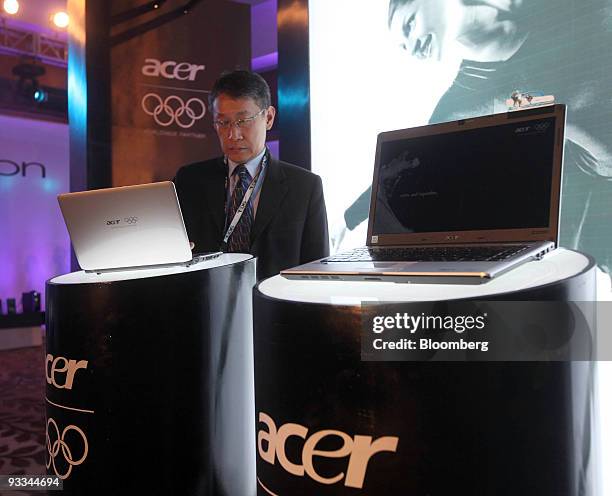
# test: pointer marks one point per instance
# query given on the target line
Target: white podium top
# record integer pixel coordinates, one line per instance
(82, 277)
(557, 265)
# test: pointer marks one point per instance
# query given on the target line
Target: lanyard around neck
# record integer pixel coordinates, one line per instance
(245, 200)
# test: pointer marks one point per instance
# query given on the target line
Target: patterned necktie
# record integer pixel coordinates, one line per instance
(240, 240)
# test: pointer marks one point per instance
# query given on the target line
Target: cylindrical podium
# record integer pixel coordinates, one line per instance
(329, 423)
(150, 380)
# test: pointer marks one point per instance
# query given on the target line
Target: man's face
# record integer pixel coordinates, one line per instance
(241, 137)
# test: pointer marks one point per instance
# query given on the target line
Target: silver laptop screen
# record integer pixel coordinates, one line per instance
(489, 178)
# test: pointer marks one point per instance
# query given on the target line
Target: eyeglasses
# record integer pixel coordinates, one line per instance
(245, 123)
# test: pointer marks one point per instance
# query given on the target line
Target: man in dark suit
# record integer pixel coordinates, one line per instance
(247, 201)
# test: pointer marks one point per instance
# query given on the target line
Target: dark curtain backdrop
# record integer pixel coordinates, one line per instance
(161, 75)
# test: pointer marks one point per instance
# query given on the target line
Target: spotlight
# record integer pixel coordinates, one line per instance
(11, 6)
(40, 95)
(60, 19)
(27, 84)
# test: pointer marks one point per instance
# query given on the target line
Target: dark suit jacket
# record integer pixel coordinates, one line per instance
(290, 223)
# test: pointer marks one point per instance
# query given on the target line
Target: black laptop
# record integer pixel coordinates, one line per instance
(458, 202)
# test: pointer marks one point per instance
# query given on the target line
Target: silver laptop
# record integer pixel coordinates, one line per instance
(127, 228)
(458, 202)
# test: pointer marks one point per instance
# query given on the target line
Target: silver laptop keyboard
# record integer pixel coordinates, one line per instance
(429, 254)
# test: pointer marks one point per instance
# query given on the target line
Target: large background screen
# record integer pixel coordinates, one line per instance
(392, 64)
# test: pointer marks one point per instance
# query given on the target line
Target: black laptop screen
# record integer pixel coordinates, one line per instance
(489, 178)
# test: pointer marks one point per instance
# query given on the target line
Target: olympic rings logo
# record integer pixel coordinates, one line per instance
(173, 110)
(542, 126)
(59, 444)
(131, 220)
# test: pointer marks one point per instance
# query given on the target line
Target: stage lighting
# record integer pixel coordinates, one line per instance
(60, 19)
(28, 86)
(40, 95)
(11, 6)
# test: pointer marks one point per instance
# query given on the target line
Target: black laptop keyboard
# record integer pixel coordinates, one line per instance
(430, 254)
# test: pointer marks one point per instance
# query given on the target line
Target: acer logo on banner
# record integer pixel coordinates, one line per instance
(11, 168)
(271, 442)
(182, 71)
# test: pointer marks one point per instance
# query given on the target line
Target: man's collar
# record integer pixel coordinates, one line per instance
(251, 165)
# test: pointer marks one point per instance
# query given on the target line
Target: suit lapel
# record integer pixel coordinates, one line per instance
(214, 193)
(272, 193)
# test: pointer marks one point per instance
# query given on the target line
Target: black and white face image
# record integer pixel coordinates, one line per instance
(482, 31)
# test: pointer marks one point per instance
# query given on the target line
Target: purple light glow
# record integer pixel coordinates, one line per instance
(265, 62)
(38, 20)
(263, 28)
(273, 146)
(34, 244)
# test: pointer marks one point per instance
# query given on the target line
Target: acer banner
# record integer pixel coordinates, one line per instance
(160, 81)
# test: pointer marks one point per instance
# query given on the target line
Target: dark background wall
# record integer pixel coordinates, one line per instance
(160, 81)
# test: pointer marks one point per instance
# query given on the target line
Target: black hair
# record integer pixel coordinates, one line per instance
(242, 84)
(393, 6)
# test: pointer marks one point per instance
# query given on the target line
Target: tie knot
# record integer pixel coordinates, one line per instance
(242, 172)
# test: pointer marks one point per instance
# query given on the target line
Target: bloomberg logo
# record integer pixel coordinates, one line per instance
(169, 69)
(12, 168)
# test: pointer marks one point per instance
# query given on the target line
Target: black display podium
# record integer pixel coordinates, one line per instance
(150, 380)
(329, 423)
